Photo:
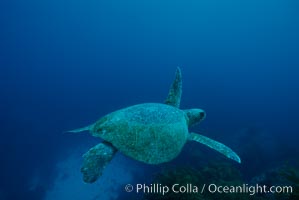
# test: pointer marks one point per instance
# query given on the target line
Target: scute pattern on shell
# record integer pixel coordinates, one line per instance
(154, 113)
(152, 133)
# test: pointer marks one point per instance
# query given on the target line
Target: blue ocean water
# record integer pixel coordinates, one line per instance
(64, 64)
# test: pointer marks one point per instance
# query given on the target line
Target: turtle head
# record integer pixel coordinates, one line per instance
(194, 116)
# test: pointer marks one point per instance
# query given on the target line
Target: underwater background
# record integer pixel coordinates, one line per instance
(66, 63)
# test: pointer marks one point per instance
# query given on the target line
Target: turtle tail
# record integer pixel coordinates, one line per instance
(78, 130)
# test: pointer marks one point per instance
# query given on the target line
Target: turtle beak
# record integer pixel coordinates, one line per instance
(202, 114)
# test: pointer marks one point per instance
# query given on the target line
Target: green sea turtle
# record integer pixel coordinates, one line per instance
(152, 133)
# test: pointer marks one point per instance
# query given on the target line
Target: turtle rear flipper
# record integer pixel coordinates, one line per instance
(78, 130)
(95, 160)
(221, 148)
(175, 91)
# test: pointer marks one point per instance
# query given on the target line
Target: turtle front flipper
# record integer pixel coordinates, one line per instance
(221, 148)
(95, 160)
(175, 92)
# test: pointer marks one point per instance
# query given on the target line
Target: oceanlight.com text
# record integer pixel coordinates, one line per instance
(249, 189)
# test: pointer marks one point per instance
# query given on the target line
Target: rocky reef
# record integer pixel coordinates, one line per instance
(190, 181)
